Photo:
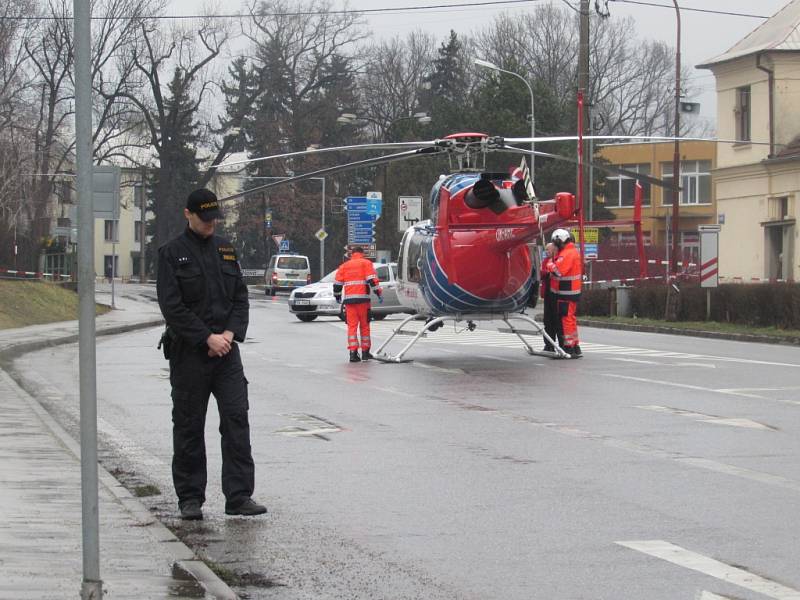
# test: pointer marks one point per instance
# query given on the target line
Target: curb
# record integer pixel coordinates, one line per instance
(184, 558)
(738, 337)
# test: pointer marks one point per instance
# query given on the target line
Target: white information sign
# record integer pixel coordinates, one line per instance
(709, 255)
(409, 211)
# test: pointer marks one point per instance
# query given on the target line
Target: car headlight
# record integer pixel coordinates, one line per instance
(325, 294)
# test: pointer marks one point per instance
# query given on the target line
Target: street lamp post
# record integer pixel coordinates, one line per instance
(485, 63)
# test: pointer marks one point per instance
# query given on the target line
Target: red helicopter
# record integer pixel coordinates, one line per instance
(471, 261)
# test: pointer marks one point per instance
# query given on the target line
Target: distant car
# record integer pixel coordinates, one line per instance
(311, 301)
(286, 272)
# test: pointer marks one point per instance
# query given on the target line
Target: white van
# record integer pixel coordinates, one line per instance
(286, 272)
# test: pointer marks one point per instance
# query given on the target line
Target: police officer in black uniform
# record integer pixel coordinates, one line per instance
(205, 304)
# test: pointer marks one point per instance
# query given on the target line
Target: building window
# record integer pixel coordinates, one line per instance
(620, 188)
(742, 112)
(137, 231)
(695, 182)
(111, 233)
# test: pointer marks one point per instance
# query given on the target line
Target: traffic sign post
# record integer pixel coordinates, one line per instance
(409, 211)
(361, 215)
(709, 261)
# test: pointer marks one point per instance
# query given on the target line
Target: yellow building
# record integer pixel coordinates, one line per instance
(758, 178)
(697, 205)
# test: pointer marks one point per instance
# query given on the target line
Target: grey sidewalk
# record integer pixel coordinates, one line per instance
(40, 497)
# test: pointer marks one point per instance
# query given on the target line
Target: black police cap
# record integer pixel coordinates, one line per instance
(204, 204)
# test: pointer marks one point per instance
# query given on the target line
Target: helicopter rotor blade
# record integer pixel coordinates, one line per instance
(378, 160)
(656, 138)
(610, 169)
(380, 146)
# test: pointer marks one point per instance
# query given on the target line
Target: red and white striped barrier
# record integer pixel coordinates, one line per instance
(633, 260)
(753, 280)
(33, 274)
(626, 280)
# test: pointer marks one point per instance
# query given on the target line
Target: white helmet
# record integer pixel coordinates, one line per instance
(560, 235)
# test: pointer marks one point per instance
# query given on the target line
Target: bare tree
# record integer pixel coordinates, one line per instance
(169, 82)
(393, 78)
(50, 52)
(632, 81)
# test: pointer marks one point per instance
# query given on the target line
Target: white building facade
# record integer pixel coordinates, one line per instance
(757, 179)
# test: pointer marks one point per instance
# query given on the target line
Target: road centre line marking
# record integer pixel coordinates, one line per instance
(718, 467)
(703, 418)
(700, 463)
(435, 368)
(713, 568)
(705, 595)
(635, 360)
(690, 387)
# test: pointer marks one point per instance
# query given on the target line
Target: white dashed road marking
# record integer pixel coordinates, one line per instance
(713, 419)
(713, 568)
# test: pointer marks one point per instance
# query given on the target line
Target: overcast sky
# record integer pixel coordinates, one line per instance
(704, 36)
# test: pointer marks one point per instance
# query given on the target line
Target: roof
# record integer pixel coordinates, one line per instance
(781, 32)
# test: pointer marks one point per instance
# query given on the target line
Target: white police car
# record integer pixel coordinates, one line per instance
(311, 301)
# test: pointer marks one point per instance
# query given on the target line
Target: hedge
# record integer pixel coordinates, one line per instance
(756, 305)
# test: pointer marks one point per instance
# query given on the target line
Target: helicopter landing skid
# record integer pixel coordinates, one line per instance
(435, 323)
(557, 352)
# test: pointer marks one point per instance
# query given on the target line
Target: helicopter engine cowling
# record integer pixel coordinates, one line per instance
(484, 194)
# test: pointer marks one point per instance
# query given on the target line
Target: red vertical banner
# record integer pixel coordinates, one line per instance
(638, 193)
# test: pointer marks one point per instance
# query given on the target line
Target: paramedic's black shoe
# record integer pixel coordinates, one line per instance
(248, 508)
(191, 511)
(548, 348)
(574, 351)
(366, 355)
(354, 356)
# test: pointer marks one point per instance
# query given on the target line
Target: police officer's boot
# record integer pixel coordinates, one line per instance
(366, 355)
(354, 356)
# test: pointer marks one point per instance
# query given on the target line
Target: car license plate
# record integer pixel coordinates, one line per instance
(302, 302)
(291, 274)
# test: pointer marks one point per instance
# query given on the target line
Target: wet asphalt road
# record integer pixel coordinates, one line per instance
(657, 467)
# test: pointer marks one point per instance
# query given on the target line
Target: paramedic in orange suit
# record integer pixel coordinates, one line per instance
(354, 280)
(566, 278)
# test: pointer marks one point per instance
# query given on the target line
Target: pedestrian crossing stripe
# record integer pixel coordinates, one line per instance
(495, 339)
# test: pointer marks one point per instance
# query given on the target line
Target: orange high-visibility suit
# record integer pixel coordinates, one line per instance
(566, 278)
(353, 281)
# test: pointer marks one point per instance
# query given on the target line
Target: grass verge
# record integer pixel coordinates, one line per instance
(788, 335)
(25, 303)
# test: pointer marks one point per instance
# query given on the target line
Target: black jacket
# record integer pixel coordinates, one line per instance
(200, 288)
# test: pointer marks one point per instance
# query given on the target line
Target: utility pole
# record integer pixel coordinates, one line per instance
(583, 86)
(671, 311)
(142, 227)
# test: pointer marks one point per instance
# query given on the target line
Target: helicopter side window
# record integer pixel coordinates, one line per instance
(414, 258)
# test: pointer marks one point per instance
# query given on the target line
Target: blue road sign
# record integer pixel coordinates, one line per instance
(285, 245)
(374, 206)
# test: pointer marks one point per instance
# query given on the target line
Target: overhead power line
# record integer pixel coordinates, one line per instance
(688, 8)
(389, 10)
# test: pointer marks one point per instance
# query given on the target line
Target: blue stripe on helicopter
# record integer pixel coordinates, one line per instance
(459, 182)
(445, 297)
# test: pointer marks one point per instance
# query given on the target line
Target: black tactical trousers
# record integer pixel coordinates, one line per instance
(551, 319)
(194, 376)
